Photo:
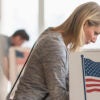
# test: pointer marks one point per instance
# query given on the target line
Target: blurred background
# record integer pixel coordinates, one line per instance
(34, 16)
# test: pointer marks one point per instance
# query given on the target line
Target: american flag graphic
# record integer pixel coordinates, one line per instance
(91, 75)
(21, 57)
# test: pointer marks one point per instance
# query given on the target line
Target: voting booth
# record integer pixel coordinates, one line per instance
(17, 60)
(84, 75)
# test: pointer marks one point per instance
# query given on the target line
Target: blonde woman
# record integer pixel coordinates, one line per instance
(46, 73)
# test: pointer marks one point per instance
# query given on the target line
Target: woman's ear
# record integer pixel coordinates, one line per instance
(85, 25)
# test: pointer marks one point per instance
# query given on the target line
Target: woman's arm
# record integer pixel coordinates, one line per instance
(55, 69)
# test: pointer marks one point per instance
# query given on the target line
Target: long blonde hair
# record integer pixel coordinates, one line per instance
(72, 28)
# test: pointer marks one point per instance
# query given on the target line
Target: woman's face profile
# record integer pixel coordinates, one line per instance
(91, 33)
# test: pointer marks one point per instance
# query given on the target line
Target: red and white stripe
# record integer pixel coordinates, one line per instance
(92, 84)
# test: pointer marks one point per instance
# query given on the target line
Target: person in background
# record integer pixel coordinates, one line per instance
(46, 73)
(17, 39)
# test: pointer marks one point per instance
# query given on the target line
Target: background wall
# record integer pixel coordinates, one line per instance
(36, 15)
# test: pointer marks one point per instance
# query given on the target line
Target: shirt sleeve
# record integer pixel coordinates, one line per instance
(4, 46)
(54, 65)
